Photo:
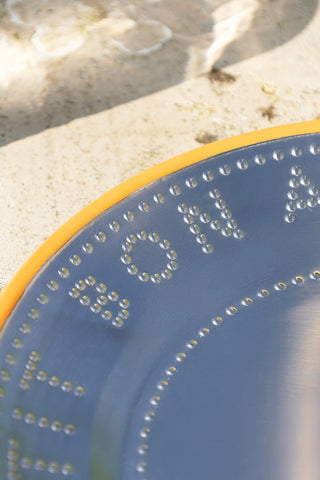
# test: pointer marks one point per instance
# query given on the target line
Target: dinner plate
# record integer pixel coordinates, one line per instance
(171, 329)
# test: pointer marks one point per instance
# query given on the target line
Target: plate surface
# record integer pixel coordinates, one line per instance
(176, 335)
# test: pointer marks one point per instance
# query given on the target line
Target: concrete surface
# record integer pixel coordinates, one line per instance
(269, 55)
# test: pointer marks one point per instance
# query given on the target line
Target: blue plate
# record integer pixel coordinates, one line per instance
(176, 335)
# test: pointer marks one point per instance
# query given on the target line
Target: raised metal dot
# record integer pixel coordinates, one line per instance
(128, 216)
(315, 275)
(66, 386)
(12, 454)
(201, 238)
(79, 391)
(231, 310)
(191, 183)
(145, 432)
(107, 315)
(194, 210)
(74, 293)
(102, 300)
(162, 385)
(290, 218)
(296, 170)
(226, 214)
(25, 328)
(294, 183)
(40, 465)
(95, 308)
(226, 232)
(54, 381)
(67, 469)
(158, 198)
(53, 467)
(156, 278)
(141, 467)
(26, 463)
(81, 285)
(260, 159)
(304, 180)
(180, 357)
(10, 359)
(215, 194)
(203, 332)
(246, 301)
(27, 375)
(43, 422)
(131, 239)
(208, 176)
(101, 288)
(124, 303)
(217, 321)
(154, 237)
(263, 293)
(142, 449)
(171, 371)
(90, 281)
(113, 296)
(166, 274)
(189, 219)
(30, 365)
(43, 299)
(242, 164)
(30, 418)
(126, 259)
(225, 170)
(239, 234)
(144, 277)
(24, 384)
(293, 195)
(143, 207)
(182, 208)
(215, 225)
(87, 248)
(291, 206)
(63, 272)
(85, 300)
(17, 414)
(33, 313)
(298, 280)
(56, 426)
(53, 285)
(172, 255)
(114, 226)
(232, 224)
(142, 235)
(172, 266)
(315, 148)
(312, 202)
(204, 218)
(296, 151)
(75, 260)
(164, 244)
(278, 155)
(208, 248)
(42, 376)
(195, 229)
(149, 416)
(313, 190)
(220, 204)
(17, 343)
(69, 429)
(124, 314)
(191, 344)
(175, 190)
(100, 237)
(280, 286)
(301, 204)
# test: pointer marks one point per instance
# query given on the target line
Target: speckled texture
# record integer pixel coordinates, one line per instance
(47, 177)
